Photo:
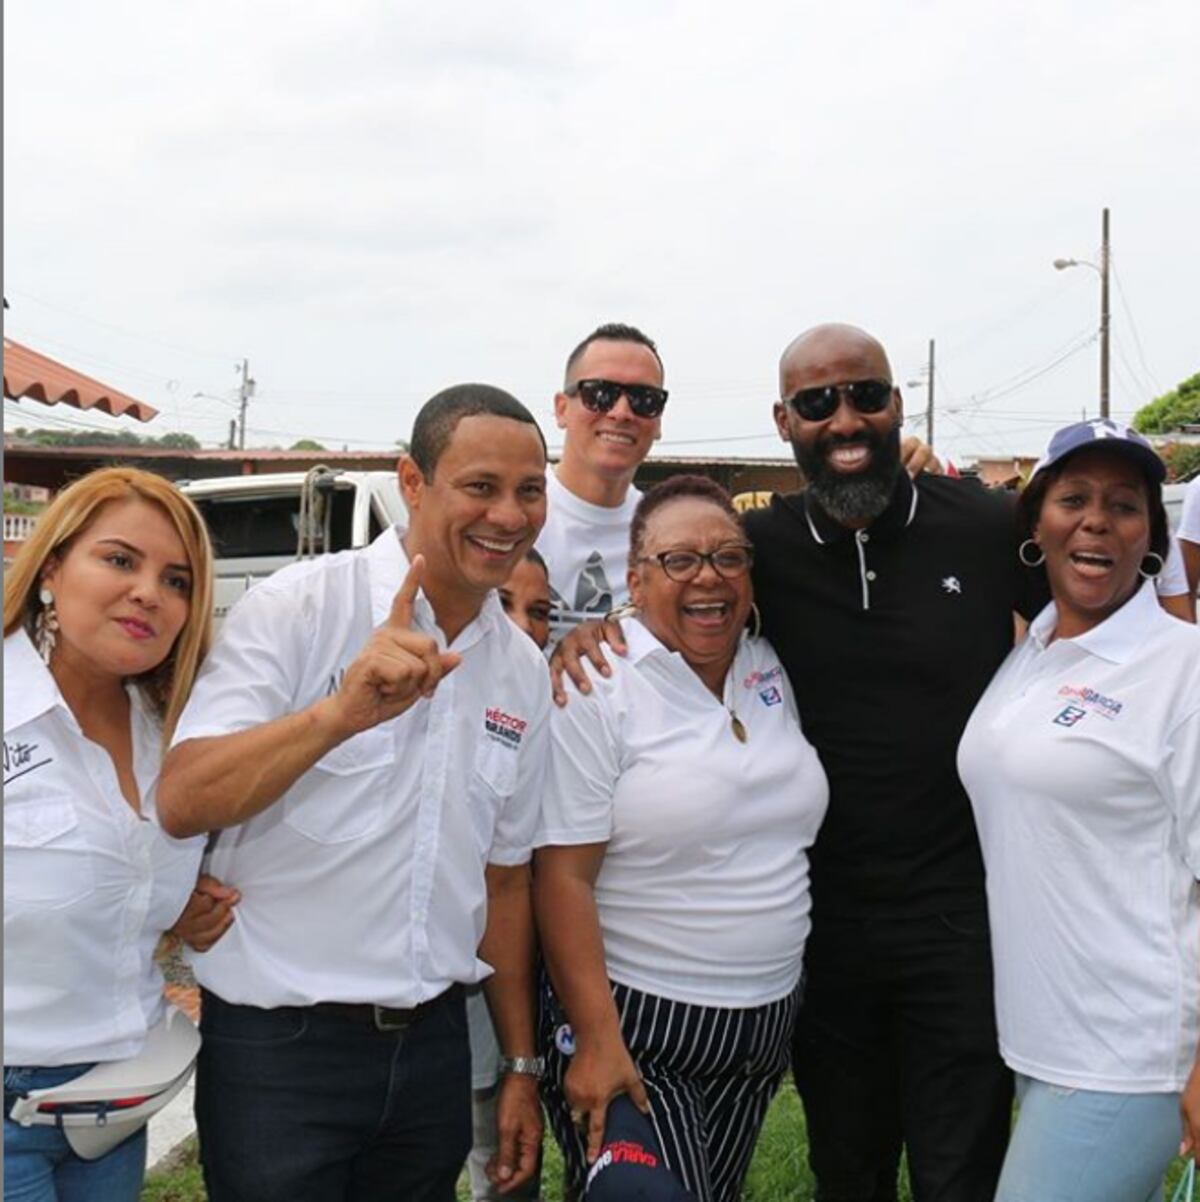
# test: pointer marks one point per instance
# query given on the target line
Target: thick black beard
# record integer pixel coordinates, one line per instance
(855, 497)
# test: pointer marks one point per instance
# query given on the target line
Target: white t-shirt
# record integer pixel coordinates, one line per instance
(1172, 580)
(89, 886)
(586, 548)
(1189, 519)
(1082, 761)
(703, 893)
(365, 881)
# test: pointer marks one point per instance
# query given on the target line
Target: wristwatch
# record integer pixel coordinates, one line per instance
(526, 1066)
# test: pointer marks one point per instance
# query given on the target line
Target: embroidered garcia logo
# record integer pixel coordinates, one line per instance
(1091, 701)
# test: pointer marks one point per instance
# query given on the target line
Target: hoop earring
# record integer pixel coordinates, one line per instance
(1157, 571)
(45, 626)
(1023, 557)
(755, 620)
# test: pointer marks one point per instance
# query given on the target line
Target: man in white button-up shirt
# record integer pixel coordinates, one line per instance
(369, 737)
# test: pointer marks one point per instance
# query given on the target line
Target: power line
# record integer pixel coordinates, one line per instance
(1137, 341)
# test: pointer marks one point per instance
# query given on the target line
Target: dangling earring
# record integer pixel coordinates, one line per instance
(1022, 555)
(1157, 571)
(755, 620)
(45, 625)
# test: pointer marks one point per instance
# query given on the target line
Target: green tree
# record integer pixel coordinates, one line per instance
(1179, 407)
(307, 444)
(1183, 460)
(175, 442)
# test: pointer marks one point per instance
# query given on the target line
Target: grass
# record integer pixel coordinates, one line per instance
(779, 1172)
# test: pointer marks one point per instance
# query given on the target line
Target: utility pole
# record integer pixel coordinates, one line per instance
(929, 409)
(233, 434)
(1104, 315)
(245, 393)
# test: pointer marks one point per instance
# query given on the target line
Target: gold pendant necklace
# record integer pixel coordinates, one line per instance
(737, 726)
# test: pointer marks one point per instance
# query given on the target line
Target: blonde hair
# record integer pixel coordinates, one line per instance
(167, 686)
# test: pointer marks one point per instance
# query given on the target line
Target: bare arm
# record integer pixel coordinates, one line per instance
(508, 947)
(211, 783)
(574, 949)
(1180, 606)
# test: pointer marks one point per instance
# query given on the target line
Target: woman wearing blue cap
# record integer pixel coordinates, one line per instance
(1082, 761)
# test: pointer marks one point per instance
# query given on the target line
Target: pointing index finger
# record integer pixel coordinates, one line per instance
(406, 594)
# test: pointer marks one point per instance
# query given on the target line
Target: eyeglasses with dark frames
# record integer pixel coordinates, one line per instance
(729, 562)
(821, 403)
(599, 396)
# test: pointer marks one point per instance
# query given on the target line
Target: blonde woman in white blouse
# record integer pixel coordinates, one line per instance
(106, 618)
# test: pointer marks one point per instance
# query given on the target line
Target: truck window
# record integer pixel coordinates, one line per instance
(250, 527)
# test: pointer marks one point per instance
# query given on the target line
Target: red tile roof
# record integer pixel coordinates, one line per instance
(28, 373)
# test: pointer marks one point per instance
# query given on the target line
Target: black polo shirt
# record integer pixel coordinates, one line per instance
(889, 636)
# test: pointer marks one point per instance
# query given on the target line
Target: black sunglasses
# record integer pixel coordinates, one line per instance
(599, 396)
(821, 403)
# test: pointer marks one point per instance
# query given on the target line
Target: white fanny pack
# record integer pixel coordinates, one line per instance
(111, 1102)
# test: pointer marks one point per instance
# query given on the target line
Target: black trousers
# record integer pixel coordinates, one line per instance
(896, 1047)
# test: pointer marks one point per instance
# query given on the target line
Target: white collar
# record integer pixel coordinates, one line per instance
(641, 644)
(1117, 637)
(388, 565)
(29, 689)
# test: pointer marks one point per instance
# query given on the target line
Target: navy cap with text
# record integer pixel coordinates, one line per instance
(630, 1166)
(1103, 432)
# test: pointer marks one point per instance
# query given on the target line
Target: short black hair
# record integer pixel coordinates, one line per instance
(1033, 496)
(674, 488)
(534, 556)
(611, 331)
(440, 415)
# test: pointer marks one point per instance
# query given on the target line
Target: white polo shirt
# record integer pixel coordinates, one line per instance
(1082, 761)
(365, 881)
(586, 548)
(703, 893)
(89, 886)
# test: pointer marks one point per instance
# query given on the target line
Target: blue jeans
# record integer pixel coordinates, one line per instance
(1079, 1145)
(39, 1165)
(297, 1104)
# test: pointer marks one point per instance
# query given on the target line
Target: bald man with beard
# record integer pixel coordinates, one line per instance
(890, 604)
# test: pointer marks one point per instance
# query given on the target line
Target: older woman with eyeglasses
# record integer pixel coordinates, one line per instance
(671, 880)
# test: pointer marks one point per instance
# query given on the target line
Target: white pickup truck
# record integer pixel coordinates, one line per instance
(259, 524)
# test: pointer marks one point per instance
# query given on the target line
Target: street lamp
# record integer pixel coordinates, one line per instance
(1102, 272)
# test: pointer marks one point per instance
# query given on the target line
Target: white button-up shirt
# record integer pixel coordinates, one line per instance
(1082, 761)
(365, 881)
(89, 886)
(703, 892)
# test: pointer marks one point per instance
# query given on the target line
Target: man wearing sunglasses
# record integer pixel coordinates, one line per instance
(889, 602)
(610, 411)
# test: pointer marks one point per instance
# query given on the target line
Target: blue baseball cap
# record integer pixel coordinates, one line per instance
(1106, 433)
(630, 1166)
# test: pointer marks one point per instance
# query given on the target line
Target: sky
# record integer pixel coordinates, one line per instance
(370, 201)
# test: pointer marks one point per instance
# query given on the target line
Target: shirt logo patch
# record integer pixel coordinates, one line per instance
(758, 679)
(950, 584)
(1069, 715)
(1089, 699)
(504, 728)
(771, 696)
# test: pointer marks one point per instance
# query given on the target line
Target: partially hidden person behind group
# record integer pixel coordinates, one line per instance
(890, 603)
(107, 616)
(525, 598)
(369, 738)
(671, 876)
(1082, 761)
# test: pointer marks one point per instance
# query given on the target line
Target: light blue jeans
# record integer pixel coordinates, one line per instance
(1079, 1145)
(39, 1165)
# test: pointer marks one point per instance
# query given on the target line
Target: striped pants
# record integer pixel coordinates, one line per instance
(710, 1073)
